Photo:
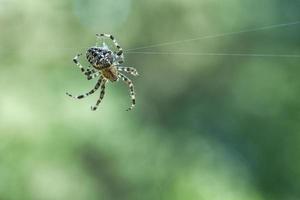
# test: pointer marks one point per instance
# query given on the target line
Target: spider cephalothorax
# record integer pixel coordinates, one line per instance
(107, 65)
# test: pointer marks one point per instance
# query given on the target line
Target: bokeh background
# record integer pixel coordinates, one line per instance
(205, 127)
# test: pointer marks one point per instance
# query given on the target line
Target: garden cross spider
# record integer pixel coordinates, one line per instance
(108, 66)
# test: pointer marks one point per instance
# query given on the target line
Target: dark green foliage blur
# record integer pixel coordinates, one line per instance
(205, 127)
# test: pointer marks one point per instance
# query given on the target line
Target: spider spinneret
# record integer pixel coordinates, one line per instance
(107, 65)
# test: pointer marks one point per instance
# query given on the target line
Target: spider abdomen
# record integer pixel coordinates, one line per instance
(110, 73)
(99, 58)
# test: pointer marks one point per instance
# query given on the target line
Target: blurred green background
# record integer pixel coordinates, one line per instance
(205, 127)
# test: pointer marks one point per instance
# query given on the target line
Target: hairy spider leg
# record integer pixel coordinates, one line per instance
(102, 92)
(92, 76)
(130, 70)
(91, 73)
(88, 93)
(88, 74)
(120, 50)
(131, 89)
(120, 60)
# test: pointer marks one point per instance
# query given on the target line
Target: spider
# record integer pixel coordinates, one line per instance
(107, 65)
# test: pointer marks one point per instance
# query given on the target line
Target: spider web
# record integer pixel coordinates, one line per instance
(263, 28)
(141, 50)
(213, 54)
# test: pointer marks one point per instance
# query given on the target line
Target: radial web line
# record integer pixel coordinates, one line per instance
(217, 35)
(214, 54)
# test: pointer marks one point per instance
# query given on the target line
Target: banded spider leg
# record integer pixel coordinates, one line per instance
(89, 73)
(119, 53)
(131, 89)
(88, 93)
(102, 92)
(130, 70)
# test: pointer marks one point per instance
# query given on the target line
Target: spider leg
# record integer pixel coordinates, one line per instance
(89, 73)
(130, 70)
(92, 76)
(120, 50)
(75, 60)
(93, 108)
(88, 93)
(131, 89)
(121, 61)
